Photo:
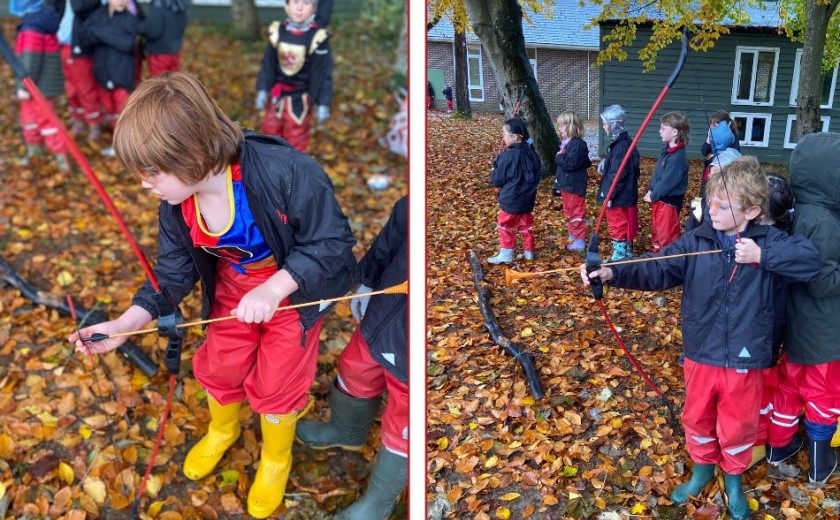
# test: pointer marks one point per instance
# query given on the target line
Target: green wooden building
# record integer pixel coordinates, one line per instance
(752, 73)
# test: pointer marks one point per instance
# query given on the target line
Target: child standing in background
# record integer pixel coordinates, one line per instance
(572, 161)
(669, 182)
(77, 62)
(112, 33)
(516, 172)
(727, 326)
(809, 375)
(163, 30)
(36, 45)
(297, 72)
(447, 95)
(622, 207)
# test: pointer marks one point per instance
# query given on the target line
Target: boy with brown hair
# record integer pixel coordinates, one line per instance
(727, 319)
(296, 73)
(256, 222)
(670, 181)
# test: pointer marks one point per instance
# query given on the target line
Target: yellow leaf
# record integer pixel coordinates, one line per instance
(492, 461)
(753, 504)
(769, 517)
(509, 496)
(85, 431)
(24, 233)
(527, 401)
(65, 472)
(543, 349)
(64, 279)
(443, 443)
(2, 490)
(155, 507)
(503, 513)
(153, 485)
(473, 425)
(638, 509)
(526, 332)
(95, 489)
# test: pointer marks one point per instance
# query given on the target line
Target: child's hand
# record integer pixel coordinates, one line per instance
(23, 94)
(604, 273)
(747, 251)
(100, 347)
(258, 304)
(647, 197)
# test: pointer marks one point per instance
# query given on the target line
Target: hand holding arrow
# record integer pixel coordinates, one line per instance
(109, 330)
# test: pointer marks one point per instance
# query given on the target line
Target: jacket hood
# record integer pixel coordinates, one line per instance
(815, 170)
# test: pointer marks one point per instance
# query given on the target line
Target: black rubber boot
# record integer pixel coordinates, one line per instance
(349, 424)
(699, 477)
(386, 483)
(738, 506)
(822, 461)
(779, 455)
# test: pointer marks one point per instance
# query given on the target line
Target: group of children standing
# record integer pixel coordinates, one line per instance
(90, 50)
(665, 192)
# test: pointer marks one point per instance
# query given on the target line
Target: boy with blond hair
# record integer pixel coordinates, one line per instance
(258, 224)
(669, 182)
(728, 305)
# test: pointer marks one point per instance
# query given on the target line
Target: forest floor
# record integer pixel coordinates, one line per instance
(75, 433)
(600, 443)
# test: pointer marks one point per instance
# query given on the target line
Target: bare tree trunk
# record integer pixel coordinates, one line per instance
(498, 24)
(400, 69)
(810, 68)
(462, 94)
(243, 14)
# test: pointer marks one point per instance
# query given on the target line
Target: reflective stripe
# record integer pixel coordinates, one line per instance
(506, 228)
(784, 424)
(703, 440)
(395, 452)
(49, 131)
(816, 409)
(766, 410)
(783, 416)
(739, 449)
(31, 126)
(93, 115)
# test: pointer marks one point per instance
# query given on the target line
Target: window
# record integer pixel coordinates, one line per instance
(755, 76)
(475, 75)
(532, 57)
(829, 82)
(792, 133)
(753, 129)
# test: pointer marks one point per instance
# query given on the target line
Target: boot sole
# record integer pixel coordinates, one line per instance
(823, 481)
(775, 463)
(347, 447)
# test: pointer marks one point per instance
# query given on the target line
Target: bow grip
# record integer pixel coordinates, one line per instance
(593, 263)
(169, 318)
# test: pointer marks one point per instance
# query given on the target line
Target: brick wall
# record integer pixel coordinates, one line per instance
(566, 79)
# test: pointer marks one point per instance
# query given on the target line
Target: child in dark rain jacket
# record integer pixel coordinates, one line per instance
(622, 211)
(572, 161)
(809, 375)
(728, 311)
(374, 362)
(516, 172)
(670, 181)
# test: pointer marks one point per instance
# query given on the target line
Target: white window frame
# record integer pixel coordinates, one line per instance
(794, 86)
(737, 76)
(791, 119)
(480, 85)
(533, 61)
(748, 129)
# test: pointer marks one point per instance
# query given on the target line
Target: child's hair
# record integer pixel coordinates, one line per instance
(723, 115)
(743, 182)
(571, 123)
(518, 127)
(679, 122)
(780, 202)
(171, 124)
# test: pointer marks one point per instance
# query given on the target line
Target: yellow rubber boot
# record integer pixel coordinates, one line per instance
(221, 434)
(266, 493)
